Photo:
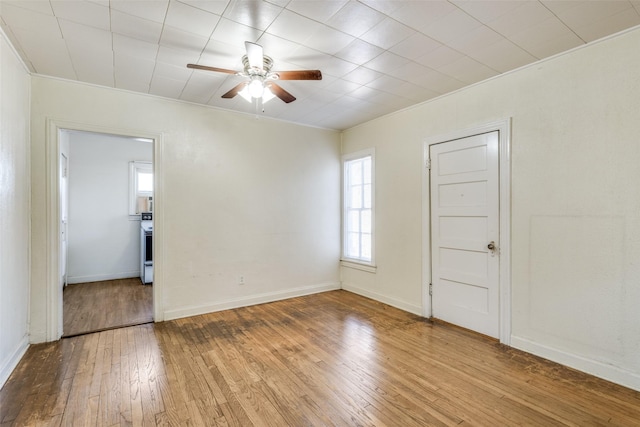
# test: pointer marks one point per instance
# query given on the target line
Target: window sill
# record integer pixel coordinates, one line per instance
(358, 266)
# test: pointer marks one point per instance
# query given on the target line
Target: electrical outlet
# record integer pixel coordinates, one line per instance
(241, 280)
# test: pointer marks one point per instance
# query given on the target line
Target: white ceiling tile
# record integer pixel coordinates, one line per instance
(415, 46)
(201, 87)
(475, 39)
(438, 82)
(636, 5)
(152, 10)
(279, 48)
(168, 88)
(383, 6)
(528, 14)
(329, 65)
(20, 18)
(196, 21)
(133, 73)
(468, 70)
(40, 6)
(415, 93)
(293, 27)
(355, 19)
(81, 37)
(608, 25)
(577, 14)
(178, 57)
(134, 27)
(421, 14)
(387, 62)
(213, 6)
(222, 55)
(451, 26)
(387, 33)
(83, 12)
(362, 75)
(93, 67)
(49, 56)
(252, 13)
(134, 47)
(231, 32)
(178, 39)
(439, 57)
(410, 71)
(359, 52)
(486, 10)
(342, 86)
(171, 71)
(386, 83)
(503, 56)
(319, 11)
(546, 38)
(329, 40)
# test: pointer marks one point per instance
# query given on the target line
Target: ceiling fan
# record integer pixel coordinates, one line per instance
(260, 83)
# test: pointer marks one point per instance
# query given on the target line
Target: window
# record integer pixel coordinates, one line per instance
(140, 187)
(358, 207)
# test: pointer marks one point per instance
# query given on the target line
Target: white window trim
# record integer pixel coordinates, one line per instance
(134, 167)
(370, 266)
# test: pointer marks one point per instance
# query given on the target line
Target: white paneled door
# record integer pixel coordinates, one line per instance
(465, 241)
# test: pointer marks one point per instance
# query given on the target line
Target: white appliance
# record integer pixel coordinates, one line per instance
(146, 248)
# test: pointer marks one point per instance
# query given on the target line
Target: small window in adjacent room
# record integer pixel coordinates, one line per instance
(140, 187)
(357, 240)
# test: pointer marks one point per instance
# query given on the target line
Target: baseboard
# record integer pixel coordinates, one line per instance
(102, 277)
(251, 300)
(7, 367)
(590, 366)
(402, 305)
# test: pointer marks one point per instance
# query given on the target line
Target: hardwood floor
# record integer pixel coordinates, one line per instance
(332, 359)
(96, 306)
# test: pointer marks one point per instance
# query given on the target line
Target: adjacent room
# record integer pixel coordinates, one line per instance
(319, 213)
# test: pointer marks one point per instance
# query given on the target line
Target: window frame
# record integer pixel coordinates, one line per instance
(136, 167)
(358, 155)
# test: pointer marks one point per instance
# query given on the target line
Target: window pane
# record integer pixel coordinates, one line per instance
(366, 247)
(367, 170)
(355, 200)
(366, 221)
(353, 223)
(355, 172)
(353, 245)
(367, 196)
(145, 182)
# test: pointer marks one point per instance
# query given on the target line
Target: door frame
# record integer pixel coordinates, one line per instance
(54, 302)
(504, 164)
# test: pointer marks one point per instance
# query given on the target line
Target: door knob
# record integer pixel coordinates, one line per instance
(491, 246)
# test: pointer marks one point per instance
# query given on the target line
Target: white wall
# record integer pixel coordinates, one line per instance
(104, 243)
(14, 209)
(575, 202)
(240, 196)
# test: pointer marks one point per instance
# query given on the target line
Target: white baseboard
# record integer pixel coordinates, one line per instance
(402, 305)
(100, 277)
(590, 366)
(7, 366)
(250, 300)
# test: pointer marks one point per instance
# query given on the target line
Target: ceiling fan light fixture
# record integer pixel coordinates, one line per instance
(267, 95)
(256, 88)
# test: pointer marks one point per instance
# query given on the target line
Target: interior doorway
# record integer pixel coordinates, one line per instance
(100, 231)
(467, 229)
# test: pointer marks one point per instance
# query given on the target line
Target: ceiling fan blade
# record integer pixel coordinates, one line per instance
(299, 75)
(204, 67)
(234, 91)
(255, 55)
(280, 93)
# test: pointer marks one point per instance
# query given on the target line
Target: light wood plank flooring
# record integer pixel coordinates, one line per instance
(96, 306)
(332, 359)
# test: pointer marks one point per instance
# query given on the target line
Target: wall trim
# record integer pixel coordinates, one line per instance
(599, 369)
(54, 306)
(402, 305)
(12, 361)
(504, 161)
(250, 300)
(102, 277)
